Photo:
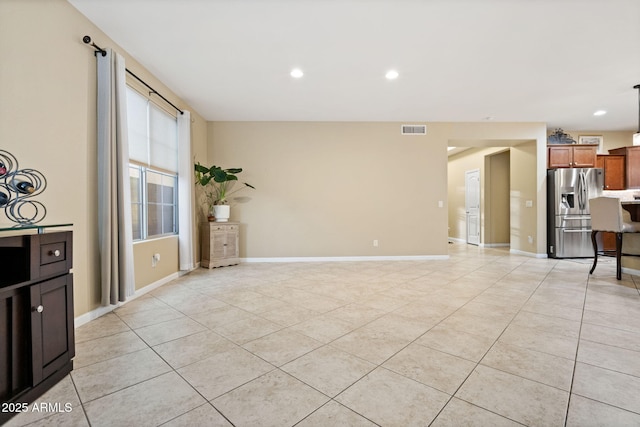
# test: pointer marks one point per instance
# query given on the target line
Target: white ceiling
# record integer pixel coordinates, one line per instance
(552, 61)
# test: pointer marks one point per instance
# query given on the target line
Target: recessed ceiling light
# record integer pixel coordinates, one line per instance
(600, 113)
(392, 75)
(296, 73)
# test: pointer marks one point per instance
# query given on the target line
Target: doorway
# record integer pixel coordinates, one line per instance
(472, 205)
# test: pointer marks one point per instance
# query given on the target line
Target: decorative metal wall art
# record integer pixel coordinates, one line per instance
(17, 187)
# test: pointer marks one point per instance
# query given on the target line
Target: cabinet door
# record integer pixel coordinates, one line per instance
(218, 244)
(633, 167)
(560, 156)
(614, 172)
(52, 326)
(232, 244)
(584, 156)
(608, 241)
(15, 339)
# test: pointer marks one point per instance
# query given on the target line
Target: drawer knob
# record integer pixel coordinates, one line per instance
(55, 253)
(39, 308)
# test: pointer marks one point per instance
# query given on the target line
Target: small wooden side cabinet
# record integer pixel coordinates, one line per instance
(220, 244)
(36, 316)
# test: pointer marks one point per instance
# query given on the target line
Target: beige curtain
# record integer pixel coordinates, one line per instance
(114, 193)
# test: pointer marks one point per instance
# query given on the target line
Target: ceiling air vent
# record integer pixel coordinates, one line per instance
(413, 130)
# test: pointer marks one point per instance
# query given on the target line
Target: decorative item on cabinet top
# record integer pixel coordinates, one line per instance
(560, 137)
(17, 186)
(218, 185)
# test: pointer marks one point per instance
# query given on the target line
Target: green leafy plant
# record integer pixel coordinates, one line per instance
(218, 183)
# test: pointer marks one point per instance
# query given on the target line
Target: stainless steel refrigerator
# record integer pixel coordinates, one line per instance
(568, 215)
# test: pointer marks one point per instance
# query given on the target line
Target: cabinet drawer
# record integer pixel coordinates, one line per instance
(226, 227)
(53, 252)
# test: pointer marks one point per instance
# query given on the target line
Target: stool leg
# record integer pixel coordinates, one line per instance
(595, 250)
(618, 256)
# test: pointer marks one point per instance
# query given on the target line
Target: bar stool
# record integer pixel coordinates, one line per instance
(607, 215)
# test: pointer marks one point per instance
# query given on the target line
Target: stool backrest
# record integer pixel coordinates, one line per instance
(606, 214)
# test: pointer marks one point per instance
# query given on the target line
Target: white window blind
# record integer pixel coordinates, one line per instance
(163, 136)
(153, 151)
(153, 139)
(137, 124)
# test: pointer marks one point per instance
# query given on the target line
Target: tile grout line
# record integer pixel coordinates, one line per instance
(575, 361)
(486, 352)
(284, 327)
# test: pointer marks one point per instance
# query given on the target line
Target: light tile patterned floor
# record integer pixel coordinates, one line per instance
(482, 339)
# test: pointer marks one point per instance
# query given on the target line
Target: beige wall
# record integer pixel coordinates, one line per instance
(146, 273)
(473, 158)
(497, 200)
(487, 134)
(523, 188)
(330, 189)
(47, 120)
(610, 140)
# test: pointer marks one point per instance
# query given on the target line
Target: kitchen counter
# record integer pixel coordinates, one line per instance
(633, 206)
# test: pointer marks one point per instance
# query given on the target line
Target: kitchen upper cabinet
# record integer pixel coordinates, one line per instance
(572, 156)
(632, 166)
(614, 171)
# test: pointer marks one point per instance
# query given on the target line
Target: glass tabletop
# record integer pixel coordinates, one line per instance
(39, 227)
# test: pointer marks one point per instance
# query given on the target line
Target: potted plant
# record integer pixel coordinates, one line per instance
(218, 184)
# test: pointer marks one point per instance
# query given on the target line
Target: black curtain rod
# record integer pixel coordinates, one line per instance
(97, 48)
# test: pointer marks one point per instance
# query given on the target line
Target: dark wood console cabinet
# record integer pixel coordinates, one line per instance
(36, 315)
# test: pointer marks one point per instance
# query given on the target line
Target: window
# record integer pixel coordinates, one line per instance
(153, 153)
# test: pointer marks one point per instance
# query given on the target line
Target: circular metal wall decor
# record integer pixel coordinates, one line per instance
(17, 188)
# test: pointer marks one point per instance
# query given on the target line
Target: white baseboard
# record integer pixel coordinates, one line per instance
(101, 311)
(496, 245)
(529, 254)
(348, 258)
(631, 271)
(457, 240)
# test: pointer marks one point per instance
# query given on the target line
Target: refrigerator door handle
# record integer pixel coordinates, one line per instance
(582, 191)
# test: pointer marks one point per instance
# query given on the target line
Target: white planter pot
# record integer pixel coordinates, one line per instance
(222, 212)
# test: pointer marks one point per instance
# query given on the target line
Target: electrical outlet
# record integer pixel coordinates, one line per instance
(530, 238)
(155, 259)
(375, 243)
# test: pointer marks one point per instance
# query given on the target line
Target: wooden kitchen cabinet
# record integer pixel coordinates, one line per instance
(632, 165)
(220, 244)
(36, 315)
(614, 170)
(572, 156)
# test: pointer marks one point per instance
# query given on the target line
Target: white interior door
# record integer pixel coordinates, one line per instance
(472, 205)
